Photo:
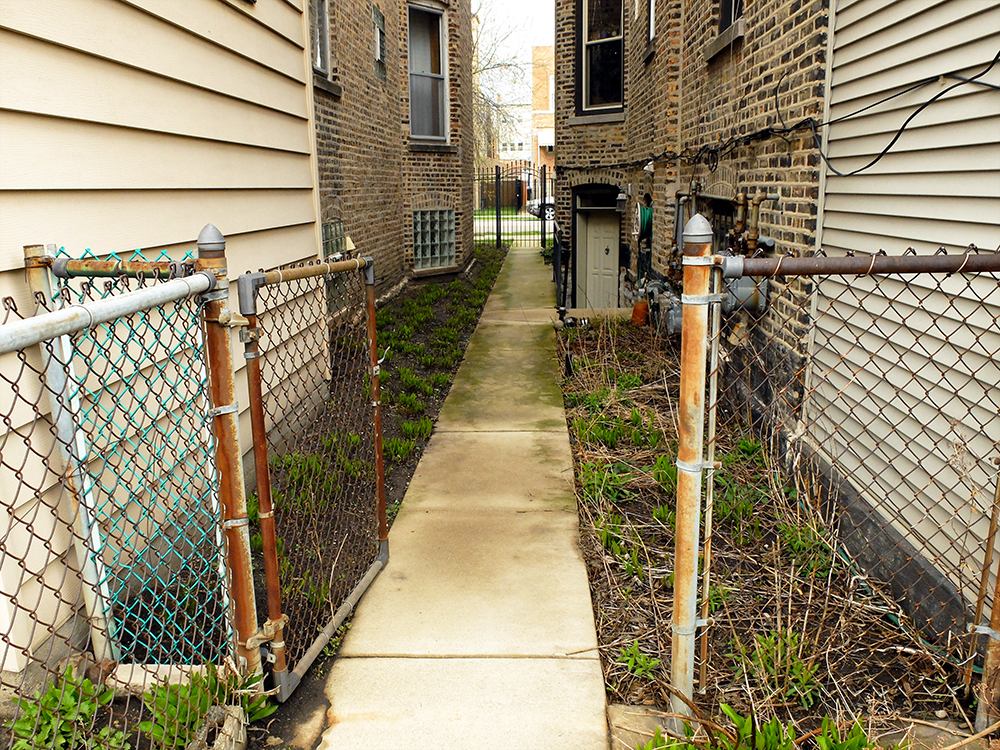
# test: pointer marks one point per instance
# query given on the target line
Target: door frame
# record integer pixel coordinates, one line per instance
(606, 192)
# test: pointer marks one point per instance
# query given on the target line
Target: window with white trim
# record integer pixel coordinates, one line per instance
(651, 16)
(434, 238)
(378, 24)
(428, 85)
(319, 33)
(603, 54)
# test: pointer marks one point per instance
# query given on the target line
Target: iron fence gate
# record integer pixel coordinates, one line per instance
(515, 205)
(129, 550)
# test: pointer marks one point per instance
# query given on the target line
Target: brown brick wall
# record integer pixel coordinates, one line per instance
(677, 101)
(733, 94)
(368, 176)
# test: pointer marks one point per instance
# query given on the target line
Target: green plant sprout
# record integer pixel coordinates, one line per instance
(637, 662)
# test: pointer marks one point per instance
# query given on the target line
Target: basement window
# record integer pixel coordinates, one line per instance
(433, 238)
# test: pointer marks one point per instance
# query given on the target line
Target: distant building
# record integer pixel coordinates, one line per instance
(394, 135)
(543, 94)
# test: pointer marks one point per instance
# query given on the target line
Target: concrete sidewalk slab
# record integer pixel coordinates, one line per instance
(479, 470)
(478, 583)
(509, 380)
(524, 282)
(436, 704)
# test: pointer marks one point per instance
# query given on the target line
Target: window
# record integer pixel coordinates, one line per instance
(651, 16)
(552, 93)
(319, 31)
(729, 12)
(378, 22)
(603, 54)
(434, 238)
(427, 81)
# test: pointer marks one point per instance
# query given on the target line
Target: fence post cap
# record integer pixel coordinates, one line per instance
(697, 230)
(210, 238)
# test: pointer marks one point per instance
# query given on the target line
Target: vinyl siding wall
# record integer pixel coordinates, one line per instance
(131, 125)
(908, 395)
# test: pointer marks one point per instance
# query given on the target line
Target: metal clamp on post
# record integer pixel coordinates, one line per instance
(235, 523)
(218, 411)
(985, 630)
(369, 271)
(698, 260)
(215, 295)
(691, 629)
(267, 632)
(691, 468)
(700, 299)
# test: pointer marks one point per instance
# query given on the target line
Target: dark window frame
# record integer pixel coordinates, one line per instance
(730, 11)
(378, 24)
(442, 43)
(581, 65)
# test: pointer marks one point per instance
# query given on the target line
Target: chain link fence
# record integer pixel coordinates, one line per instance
(130, 554)
(871, 386)
(311, 345)
(111, 559)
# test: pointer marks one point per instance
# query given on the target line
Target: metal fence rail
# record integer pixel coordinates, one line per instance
(877, 396)
(314, 384)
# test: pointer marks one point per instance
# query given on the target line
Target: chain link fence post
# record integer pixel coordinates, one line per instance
(690, 456)
(383, 527)
(225, 418)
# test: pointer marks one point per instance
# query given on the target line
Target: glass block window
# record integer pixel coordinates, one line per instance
(334, 242)
(434, 238)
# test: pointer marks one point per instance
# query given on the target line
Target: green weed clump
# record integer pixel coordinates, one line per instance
(636, 662)
(62, 717)
(419, 429)
(776, 662)
(413, 382)
(808, 547)
(397, 449)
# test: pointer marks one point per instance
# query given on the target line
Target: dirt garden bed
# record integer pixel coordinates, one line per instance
(798, 634)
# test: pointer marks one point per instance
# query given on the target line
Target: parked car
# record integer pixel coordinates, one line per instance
(534, 207)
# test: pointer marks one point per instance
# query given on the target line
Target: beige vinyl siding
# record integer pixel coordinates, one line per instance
(131, 125)
(907, 391)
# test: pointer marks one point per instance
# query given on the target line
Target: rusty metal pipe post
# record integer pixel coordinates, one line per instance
(988, 710)
(229, 461)
(276, 621)
(690, 457)
(373, 358)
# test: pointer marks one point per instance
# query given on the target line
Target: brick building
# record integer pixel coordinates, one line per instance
(394, 141)
(640, 84)
(543, 89)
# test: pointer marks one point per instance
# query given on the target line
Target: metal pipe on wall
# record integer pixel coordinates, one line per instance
(690, 457)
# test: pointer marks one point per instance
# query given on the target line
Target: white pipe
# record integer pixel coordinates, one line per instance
(20, 334)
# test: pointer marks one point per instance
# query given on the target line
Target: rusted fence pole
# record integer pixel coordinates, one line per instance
(690, 456)
(988, 710)
(383, 527)
(218, 319)
(276, 621)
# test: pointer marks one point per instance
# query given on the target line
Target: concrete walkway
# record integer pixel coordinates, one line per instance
(480, 632)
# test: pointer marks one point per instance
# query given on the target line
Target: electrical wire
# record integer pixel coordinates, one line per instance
(711, 154)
